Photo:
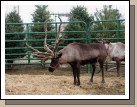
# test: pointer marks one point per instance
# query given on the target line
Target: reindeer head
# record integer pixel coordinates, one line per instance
(43, 56)
(105, 42)
(55, 62)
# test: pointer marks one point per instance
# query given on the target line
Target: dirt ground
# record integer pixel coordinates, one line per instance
(35, 80)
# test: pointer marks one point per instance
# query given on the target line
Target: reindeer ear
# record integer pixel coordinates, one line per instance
(109, 41)
(59, 55)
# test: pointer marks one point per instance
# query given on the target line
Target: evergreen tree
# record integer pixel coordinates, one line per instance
(13, 17)
(40, 15)
(107, 13)
(78, 13)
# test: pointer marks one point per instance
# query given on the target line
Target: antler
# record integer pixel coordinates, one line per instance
(101, 41)
(58, 39)
(43, 56)
(45, 43)
(104, 41)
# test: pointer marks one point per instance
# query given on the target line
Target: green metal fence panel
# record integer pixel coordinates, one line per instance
(28, 60)
(116, 30)
(88, 38)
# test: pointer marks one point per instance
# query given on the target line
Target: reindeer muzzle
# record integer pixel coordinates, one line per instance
(52, 68)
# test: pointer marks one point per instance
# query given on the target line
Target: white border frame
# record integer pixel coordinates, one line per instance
(126, 96)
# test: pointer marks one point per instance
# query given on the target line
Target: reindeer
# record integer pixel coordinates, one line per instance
(116, 52)
(75, 54)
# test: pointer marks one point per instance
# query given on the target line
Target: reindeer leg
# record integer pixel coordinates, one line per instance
(118, 65)
(78, 73)
(102, 68)
(94, 68)
(74, 73)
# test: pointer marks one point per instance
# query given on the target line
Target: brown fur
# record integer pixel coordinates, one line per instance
(81, 52)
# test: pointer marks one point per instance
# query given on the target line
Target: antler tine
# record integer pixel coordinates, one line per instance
(45, 43)
(101, 39)
(59, 27)
(57, 39)
(96, 39)
(32, 48)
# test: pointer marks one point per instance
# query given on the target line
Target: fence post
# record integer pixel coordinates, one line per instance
(27, 38)
(56, 34)
(89, 41)
(118, 28)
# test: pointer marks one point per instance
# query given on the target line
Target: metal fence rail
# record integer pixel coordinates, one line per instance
(88, 38)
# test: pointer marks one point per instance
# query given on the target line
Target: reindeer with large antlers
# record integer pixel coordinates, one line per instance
(75, 54)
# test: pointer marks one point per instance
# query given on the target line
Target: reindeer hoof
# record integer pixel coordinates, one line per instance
(90, 82)
(78, 85)
(102, 82)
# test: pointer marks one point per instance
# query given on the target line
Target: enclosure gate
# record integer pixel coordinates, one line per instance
(28, 60)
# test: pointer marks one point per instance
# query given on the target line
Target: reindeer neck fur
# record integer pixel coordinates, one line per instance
(116, 50)
(111, 46)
